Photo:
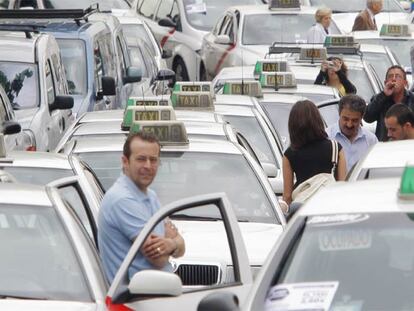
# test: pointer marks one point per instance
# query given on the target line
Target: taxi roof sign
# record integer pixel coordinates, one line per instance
(192, 100)
(149, 101)
(250, 88)
(284, 4)
(277, 80)
(146, 113)
(406, 191)
(312, 54)
(188, 86)
(339, 40)
(395, 30)
(167, 132)
(269, 65)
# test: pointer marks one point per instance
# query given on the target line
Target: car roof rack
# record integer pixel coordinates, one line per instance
(278, 48)
(26, 28)
(76, 14)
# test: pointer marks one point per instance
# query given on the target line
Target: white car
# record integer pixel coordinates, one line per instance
(244, 33)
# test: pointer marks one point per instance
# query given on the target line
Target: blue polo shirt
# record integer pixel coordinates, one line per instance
(356, 149)
(124, 211)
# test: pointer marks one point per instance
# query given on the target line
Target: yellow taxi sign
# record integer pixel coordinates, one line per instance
(149, 101)
(284, 4)
(198, 86)
(167, 132)
(250, 88)
(269, 65)
(406, 191)
(312, 54)
(395, 30)
(146, 113)
(277, 80)
(192, 100)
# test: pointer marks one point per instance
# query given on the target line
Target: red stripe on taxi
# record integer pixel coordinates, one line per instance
(115, 307)
(223, 57)
(166, 37)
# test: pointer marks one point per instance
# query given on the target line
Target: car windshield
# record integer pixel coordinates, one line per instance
(354, 5)
(37, 175)
(203, 15)
(381, 172)
(73, 54)
(329, 114)
(359, 77)
(137, 60)
(380, 61)
(250, 128)
(82, 4)
(182, 175)
(21, 84)
(398, 46)
(316, 98)
(265, 29)
(133, 31)
(356, 259)
(37, 258)
(278, 114)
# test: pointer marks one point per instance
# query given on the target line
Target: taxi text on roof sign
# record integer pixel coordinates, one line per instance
(277, 80)
(146, 113)
(149, 101)
(312, 54)
(185, 86)
(167, 132)
(192, 100)
(395, 30)
(339, 40)
(269, 65)
(407, 183)
(250, 88)
(284, 4)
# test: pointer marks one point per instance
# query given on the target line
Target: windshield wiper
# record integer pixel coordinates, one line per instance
(196, 218)
(7, 296)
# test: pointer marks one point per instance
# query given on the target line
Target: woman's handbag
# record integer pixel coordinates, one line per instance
(309, 187)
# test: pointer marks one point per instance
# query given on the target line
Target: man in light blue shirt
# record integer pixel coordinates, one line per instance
(126, 208)
(355, 139)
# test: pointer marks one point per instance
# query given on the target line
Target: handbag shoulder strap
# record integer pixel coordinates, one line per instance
(335, 155)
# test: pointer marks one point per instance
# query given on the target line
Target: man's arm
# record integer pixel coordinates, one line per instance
(358, 23)
(375, 107)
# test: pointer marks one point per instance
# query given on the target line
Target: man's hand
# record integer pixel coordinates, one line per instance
(170, 230)
(156, 247)
(389, 88)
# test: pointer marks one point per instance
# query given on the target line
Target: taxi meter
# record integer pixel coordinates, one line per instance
(167, 132)
(146, 113)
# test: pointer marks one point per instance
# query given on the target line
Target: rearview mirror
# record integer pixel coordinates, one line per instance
(222, 39)
(219, 301)
(108, 86)
(166, 54)
(166, 22)
(62, 102)
(165, 74)
(11, 127)
(155, 283)
(133, 74)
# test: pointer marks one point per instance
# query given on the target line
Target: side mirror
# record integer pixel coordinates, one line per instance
(133, 74)
(219, 301)
(270, 169)
(165, 74)
(222, 39)
(155, 283)
(11, 127)
(62, 102)
(108, 86)
(166, 54)
(166, 22)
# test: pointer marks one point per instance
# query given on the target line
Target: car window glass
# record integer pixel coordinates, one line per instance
(90, 176)
(137, 60)
(147, 8)
(121, 57)
(224, 25)
(3, 112)
(98, 67)
(59, 75)
(132, 31)
(229, 30)
(34, 175)
(50, 84)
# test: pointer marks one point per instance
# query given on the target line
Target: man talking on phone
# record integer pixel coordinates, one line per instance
(395, 92)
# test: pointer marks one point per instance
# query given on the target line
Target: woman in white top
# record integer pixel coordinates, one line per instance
(318, 32)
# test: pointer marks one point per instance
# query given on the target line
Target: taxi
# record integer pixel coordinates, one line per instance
(383, 160)
(360, 251)
(179, 26)
(244, 33)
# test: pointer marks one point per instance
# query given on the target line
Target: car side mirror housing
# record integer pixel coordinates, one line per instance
(219, 301)
(222, 39)
(165, 74)
(62, 102)
(167, 22)
(270, 169)
(133, 74)
(155, 283)
(11, 127)
(166, 54)
(108, 86)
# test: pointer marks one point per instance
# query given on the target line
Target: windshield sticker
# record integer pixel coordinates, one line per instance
(332, 220)
(310, 296)
(341, 240)
(196, 8)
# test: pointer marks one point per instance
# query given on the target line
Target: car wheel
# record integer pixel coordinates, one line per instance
(181, 73)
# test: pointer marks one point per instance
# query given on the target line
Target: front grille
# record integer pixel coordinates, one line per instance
(192, 275)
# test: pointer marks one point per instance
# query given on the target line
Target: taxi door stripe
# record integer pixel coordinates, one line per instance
(166, 37)
(223, 57)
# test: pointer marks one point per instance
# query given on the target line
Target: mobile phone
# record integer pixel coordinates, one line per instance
(331, 64)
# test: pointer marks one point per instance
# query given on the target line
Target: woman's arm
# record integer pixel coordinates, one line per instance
(349, 87)
(341, 170)
(287, 180)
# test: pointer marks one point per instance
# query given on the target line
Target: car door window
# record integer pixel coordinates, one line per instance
(50, 84)
(224, 25)
(121, 57)
(147, 8)
(59, 75)
(229, 31)
(3, 112)
(98, 67)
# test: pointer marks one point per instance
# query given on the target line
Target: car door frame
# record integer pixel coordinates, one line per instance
(242, 273)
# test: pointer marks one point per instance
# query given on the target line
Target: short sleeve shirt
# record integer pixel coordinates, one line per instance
(310, 160)
(124, 211)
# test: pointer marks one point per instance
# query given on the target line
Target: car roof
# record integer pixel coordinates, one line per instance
(24, 194)
(191, 115)
(103, 115)
(281, 98)
(16, 41)
(304, 88)
(367, 196)
(375, 34)
(230, 110)
(36, 159)
(127, 20)
(239, 100)
(389, 154)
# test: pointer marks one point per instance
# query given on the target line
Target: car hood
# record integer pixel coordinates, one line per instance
(253, 52)
(42, 305)
(204, 240)
(345, 21)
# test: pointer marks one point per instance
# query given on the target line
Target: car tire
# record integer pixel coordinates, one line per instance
(180, 70)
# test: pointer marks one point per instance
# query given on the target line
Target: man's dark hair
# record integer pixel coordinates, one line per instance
(402, 113)
(145, 136)
(396, 67)
(305, 124)
(352, 102)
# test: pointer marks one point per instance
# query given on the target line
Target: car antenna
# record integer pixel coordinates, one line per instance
(242, 81)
